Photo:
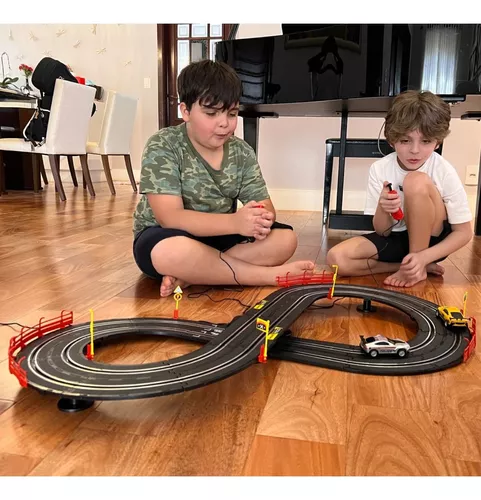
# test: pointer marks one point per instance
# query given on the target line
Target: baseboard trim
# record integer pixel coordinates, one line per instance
(311, 200)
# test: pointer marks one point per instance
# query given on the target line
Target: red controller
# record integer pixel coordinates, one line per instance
(398, 215)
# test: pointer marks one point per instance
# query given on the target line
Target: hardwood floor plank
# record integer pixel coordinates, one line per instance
(306, 403)
(393, 442)
(272, 456)
(222, 445)
(100, 453)
(5, 405)
(16, 465)
(33, 427)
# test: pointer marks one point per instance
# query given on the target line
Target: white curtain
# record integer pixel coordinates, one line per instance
(440, 50)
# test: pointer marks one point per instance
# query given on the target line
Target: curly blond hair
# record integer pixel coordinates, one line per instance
(415, 110)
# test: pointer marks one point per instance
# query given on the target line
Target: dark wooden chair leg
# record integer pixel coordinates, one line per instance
(55, 166)
(42, 169)
(128, 164)
(36, 173)
(108, 174)
(86, 174)
(72, 170)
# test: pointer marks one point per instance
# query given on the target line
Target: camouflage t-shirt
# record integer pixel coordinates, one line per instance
(171, 165)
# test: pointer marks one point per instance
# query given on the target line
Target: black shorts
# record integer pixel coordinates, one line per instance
(395, 247)
(146, 240)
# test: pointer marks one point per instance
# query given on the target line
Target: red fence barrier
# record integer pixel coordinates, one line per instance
(304, 279)
(472, 343)
(27, 334)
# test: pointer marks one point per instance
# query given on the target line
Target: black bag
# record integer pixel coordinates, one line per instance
(45, 75)
(36, 128)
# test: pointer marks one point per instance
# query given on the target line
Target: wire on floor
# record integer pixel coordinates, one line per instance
(14, 323)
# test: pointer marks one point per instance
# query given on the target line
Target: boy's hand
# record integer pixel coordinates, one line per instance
(266, 223)
(414, 265)
(251, 220)
(390, 203)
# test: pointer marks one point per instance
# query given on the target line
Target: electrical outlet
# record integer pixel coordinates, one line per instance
(472, 175)
(146, 83)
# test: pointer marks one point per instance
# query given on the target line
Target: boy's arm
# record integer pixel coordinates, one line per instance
(382, 220)
(268, 205)
(253, 185)
(170, 213)
(461, 235)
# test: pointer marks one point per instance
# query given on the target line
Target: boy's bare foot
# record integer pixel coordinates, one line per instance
(169, 284)
(294, 269)
(401, 280)
(434, 268)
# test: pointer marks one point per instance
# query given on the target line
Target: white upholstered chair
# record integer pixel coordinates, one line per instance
(66, 133)
(116, 134)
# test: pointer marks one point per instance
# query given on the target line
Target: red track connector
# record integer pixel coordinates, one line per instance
(89, 352)
(262, 358)
(27, 334)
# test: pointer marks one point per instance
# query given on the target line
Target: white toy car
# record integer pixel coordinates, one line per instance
(379, 344)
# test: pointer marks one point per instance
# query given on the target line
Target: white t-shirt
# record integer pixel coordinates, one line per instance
(441, 172)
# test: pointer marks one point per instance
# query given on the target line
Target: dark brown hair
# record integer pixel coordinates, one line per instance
(414, 110)
(209, 82)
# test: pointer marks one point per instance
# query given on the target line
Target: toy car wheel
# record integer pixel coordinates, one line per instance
(446, 324)
(437, 313)
(401, 353)
(373, 353)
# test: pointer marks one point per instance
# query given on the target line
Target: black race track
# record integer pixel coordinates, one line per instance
(56, 363)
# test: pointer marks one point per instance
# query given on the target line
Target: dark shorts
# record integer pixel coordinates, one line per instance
(146, 240)
(395, 247)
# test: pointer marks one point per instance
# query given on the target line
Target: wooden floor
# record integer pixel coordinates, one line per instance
(275, 419)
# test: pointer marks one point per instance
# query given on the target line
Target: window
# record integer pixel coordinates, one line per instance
(178, 45)
(195, 42)
(440, 62)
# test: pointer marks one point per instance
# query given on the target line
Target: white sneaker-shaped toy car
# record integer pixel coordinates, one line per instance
(379, 344)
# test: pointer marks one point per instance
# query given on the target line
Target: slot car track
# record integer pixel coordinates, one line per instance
(56, 363)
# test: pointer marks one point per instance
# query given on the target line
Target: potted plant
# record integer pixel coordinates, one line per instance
(27, 71)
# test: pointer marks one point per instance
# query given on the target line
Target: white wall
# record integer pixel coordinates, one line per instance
(292, 151)
(111, 69)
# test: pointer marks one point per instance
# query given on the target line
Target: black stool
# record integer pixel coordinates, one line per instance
(355, 148)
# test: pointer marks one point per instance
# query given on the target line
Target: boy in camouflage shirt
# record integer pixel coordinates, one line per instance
(191, 178)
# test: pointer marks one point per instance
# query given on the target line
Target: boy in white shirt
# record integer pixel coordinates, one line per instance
(436, 215)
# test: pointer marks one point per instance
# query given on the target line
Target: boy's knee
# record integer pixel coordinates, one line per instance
(335, 256)
(289, 240)
(285, 242)
(170, 250)
(416, 182)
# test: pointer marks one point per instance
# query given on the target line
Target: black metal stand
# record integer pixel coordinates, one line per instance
(251, 127)
(342, 161)
(477, 218)
(71, 405)
(251, 131)
(366, 307)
